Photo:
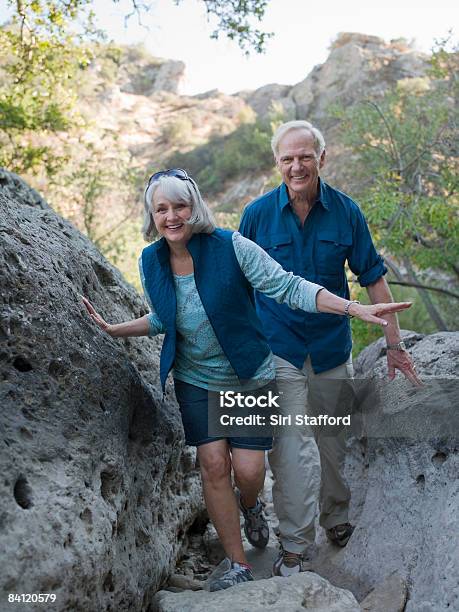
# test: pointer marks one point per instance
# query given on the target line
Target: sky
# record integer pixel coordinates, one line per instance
(303, 31)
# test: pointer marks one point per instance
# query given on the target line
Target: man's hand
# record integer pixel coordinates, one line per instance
(401, 360)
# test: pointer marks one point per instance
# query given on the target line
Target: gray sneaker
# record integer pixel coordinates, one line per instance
(288, 563)
(255, 524)
(235, 575)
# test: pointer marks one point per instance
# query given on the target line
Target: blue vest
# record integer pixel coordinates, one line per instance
(225, 294)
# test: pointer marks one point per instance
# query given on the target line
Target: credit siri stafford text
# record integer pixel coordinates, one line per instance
(289, 419)
(232, 399)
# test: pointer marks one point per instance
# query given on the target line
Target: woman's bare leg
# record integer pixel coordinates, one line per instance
(215, 463)
(249, 473)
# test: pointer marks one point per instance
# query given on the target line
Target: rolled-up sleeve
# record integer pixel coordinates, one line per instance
(364, 261)
(155, 325)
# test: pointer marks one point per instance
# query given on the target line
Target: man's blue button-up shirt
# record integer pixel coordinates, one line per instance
(335, 230)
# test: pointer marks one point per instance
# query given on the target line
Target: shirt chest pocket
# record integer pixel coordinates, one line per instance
(331, 251)
(279, 247)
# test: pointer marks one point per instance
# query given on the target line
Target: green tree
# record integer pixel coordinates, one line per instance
(40, 58)
(406, 158)
(234, 19)
(98, 191)
(42, 53)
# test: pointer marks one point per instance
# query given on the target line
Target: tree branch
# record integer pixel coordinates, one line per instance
(395, 152)
(427, 287)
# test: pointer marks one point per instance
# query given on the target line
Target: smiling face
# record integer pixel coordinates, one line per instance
(299, 163)
(171, 218)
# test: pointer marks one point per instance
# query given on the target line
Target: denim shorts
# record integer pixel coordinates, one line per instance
(193, 404)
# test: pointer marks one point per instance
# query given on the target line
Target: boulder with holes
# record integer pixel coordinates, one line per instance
(403, 478)
(97, 492)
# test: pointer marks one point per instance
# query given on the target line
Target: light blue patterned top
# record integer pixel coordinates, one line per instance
(199, 359)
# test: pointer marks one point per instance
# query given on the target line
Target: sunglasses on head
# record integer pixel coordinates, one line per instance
(176, 172)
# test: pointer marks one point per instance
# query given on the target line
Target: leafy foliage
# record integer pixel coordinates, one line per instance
(234, 20)
(40, 58)
(41, 54)
(407, 158)
(245, 150)
(98, 192)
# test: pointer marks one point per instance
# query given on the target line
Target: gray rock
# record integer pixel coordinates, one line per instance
(97, 491)
(358, 65)
(371, 361)
(183, 583)
(303, 591)
(142, 74)
(390, 596)
(271, 98)
(245, 190)
(408, 490)
(168, 77)
(12, 186)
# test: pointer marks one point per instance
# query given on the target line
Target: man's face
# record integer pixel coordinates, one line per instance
(298, 162)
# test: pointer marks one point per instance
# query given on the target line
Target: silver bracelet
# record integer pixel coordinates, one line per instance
(346, 308)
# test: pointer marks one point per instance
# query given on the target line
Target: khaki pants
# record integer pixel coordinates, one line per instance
(307, 465)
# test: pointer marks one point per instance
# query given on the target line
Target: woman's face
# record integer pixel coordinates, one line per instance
(170, 218)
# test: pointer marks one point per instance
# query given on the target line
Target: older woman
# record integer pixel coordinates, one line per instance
(198, 281)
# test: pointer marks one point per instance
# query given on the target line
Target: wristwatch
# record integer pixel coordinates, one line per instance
(400, 346)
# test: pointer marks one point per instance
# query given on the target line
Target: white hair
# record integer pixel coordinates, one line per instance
(319, 141)
(177, 190)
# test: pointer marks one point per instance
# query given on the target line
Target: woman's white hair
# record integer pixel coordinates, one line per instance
(177, 190)
(319, 141)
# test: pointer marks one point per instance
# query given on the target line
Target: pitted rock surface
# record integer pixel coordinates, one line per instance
(306, 591)
(405, 488)
(97, 491)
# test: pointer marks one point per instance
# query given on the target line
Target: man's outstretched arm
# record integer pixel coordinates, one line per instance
(378, 293)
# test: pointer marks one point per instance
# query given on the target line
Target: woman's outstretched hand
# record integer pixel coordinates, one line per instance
(95, 316)
(374, 312)
(136, 327)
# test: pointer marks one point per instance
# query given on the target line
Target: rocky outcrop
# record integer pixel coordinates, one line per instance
(303, 591)
(436, 355)
(97, 492)
(405, 487)
(358, 66)
(144, 75)
(271, 99)
(243, 192)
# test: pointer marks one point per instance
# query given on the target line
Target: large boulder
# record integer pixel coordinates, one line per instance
(404, 480)
(306, 591)
(97, 491)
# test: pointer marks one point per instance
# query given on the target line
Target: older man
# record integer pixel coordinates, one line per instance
(312, 229)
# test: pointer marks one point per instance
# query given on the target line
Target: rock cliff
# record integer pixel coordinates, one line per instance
(97, 492)
(147, 115)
